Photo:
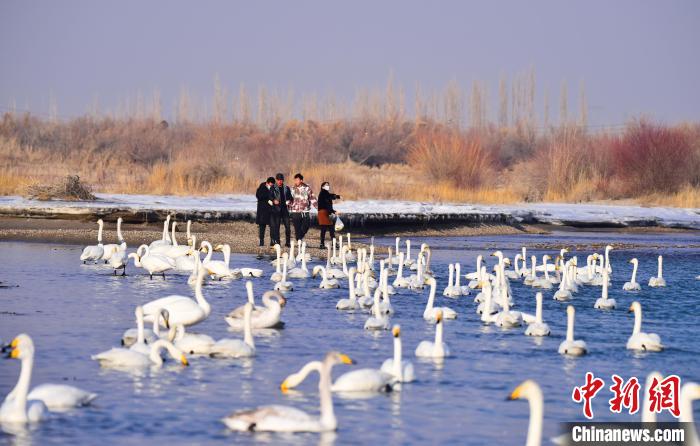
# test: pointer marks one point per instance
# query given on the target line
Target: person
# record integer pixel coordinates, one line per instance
(326, 211)
(280, 196)
(262, 216)
(302, 200)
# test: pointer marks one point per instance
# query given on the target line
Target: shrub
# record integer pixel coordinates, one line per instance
(70, 189)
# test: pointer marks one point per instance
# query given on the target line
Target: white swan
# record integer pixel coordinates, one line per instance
(430, 312)
(531, 391)
(118, 259)
(564, 293)
(21, 406)
(603, 302)
(165, 239)
(126, 359)
(220, 268)
(569, 346)
(140, 344)
(335, 273)
(183, 310)
(190, 343)
(236, 348)
(298, 272)
(351, 302)
(400, 281)
(277, 263)
(173, 250)
(489, 316)
(361, 380)
(378, 320)
(283, 284)
(288, 419)
(545, 281)
(659, 280)
(397, 366)
(449, 289)
(539, 327)
(649, 342)
(438, 348)
(153, 263)
(457, 288)
(268, 317)
(93, 253)
(326, 283)
(507, 318)
(633, 285)
(108, 249)
(131, 335)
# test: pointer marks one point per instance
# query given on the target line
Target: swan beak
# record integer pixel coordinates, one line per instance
(516, 394)
(283, 302)
(283, 387)
(14, 353)
(396, 332)
(631, 309)
(346, 359)
(184, 361)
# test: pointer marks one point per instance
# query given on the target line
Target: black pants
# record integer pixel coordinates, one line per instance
(301, 222)
(330, 228)
(261, 233)
(277, 218)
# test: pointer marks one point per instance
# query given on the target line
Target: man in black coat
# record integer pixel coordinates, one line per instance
(280, 196)
(262, 217)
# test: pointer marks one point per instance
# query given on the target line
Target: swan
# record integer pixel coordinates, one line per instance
(515, 272)
(219, 268)
(21, 406)
(397, 366)
(187, 262)
(277, 263)
(108, 249)
(633, 285)
(449, 289)
(659, 280)
(182, 310)
(417, 281)
(476, 275)
(490, 315)
(251, 272)
(506, 318)
(378, 320)
(125, 359)
(235, 348)
(335, 273)
(538, 328)
(430, 312)
(390, 262)
(563, 293)
(93, 253)
(689, 392)
(650, 342)
(366, 299)
(349, 256)
(603, 302)
(408, 261)
(531, 391)
(288, 419)
(385, 305)
(524, 271)
(301, 246)
(173, 250)
(153, 263)
(165, 240)
(140, 344)
(351, 302)
(438, 348)
(569, 346)
(283, 284)
(361, 380)
(191, 343)
(532, 278)
(400, 281)
(544, 282)
(299, 272)
(457, 289)
(326, 283)
(133, 335)
(118, 259)
(269, 317)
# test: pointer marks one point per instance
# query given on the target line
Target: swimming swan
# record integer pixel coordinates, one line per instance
(361, 380)
(397, 366)
(539, 327)
(649, 342)
(438, 348)
(267, 317)
(531, 391)
(351, 302)
(278, 418)
(430, 312)
(126, 359)
(236, 348)
(603, 302)
(633, 285)
(183, 310)
(569, 346)
(659, 280)
(283, 284)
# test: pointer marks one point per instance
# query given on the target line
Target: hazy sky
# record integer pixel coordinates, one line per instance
(634, 57)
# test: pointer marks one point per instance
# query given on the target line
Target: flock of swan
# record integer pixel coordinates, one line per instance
(163, 325)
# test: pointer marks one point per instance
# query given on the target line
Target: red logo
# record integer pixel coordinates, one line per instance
(663, 395)
(625, 395)
(587, 392)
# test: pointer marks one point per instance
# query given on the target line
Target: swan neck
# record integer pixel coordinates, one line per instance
(661, 267)
(450, 279)
(172, 237)
(201, 301)
(328, 419)
(119, 231)
(25, 377)
(458, 272)
(637, 320)
(538, 310)
(438, 333)
(431, 296)
(570, 326)
(398, 353)
(634, 272)
(140, 339)
(534, 431)
(248, 329)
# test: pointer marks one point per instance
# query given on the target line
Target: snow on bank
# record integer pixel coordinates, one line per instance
(549, 213)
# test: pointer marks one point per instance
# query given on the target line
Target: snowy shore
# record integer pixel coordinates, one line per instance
(136, 208)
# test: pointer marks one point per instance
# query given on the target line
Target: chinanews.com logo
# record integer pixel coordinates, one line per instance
(661, 394)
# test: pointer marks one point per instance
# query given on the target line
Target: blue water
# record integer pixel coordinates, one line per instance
(73, 311)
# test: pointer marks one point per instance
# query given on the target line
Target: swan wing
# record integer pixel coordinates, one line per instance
(363, 380)
(270, 418)
(61, 397)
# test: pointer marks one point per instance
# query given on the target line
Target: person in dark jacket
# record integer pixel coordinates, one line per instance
(262, 216)
(326, 212)
(281, 197)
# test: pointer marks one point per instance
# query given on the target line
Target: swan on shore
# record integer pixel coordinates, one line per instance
(277, 418)
(22, 406)
(402, 369)
(437, 348)
(648, 342)
(93, 253)
(569, 346)
(531, 391)
(633, 285)
(659, 280)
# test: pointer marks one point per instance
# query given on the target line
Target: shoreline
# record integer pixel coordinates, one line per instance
(243, 235)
